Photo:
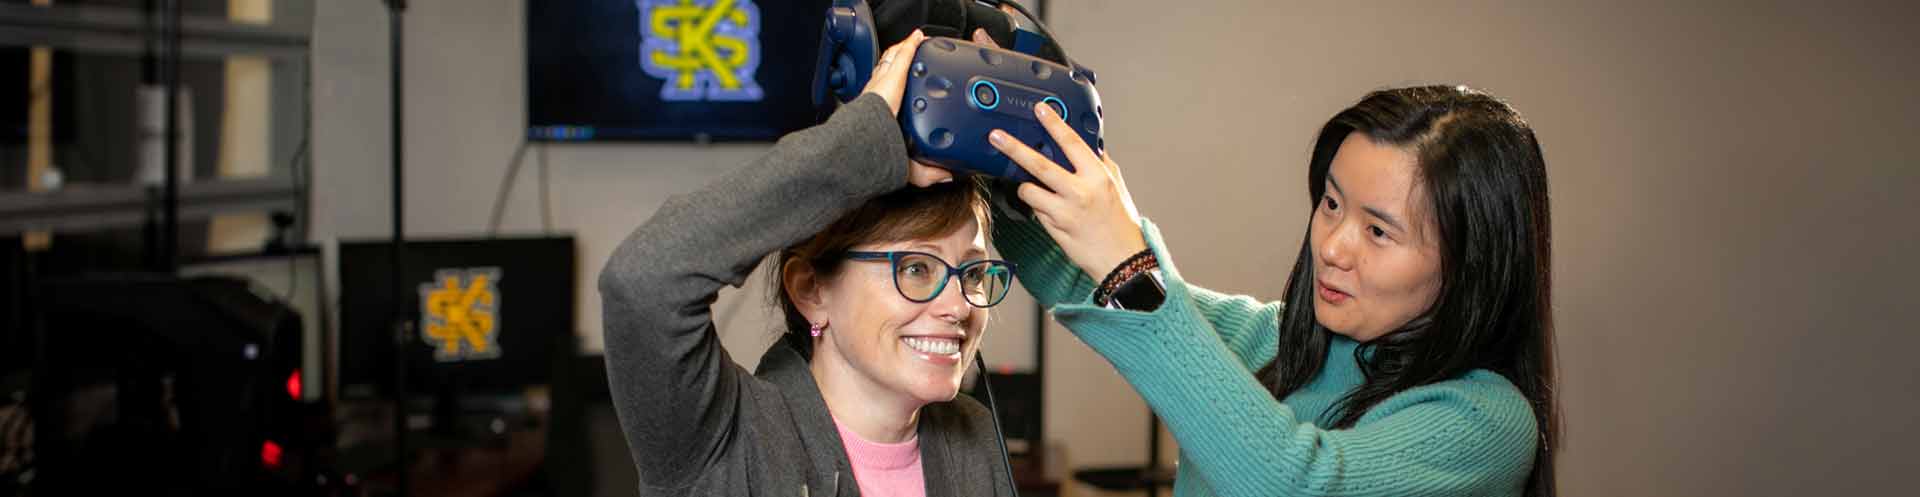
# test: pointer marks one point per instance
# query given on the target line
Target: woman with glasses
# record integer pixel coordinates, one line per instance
(885, 291)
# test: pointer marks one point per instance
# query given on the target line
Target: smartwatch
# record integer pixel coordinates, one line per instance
(1143, 292)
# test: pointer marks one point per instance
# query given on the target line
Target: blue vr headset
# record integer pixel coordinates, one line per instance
(957, 91)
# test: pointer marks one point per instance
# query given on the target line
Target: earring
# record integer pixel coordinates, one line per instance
(817, 328)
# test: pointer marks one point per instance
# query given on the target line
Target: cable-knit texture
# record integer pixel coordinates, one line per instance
(1193, 358)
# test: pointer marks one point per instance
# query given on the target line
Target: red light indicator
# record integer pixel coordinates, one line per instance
(293, 385)
(270, 454)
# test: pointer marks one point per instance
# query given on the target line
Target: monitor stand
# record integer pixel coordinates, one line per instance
(456, 417)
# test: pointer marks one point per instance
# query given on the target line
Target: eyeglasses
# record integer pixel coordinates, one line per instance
(919, 278)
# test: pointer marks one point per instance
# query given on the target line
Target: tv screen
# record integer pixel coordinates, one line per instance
(490, 315)
(670, 69)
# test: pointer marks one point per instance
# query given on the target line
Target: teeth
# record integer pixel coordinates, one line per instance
(941, 346)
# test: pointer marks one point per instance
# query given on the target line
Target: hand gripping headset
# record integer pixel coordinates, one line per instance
(957, 91)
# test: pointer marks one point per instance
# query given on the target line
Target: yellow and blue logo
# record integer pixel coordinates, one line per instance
(460, 311)
(701, 49)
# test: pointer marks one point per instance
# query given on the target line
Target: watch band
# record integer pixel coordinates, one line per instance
(1136, 277)
(1126, 269)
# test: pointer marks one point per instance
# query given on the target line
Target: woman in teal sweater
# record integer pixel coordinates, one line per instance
(1412, 353)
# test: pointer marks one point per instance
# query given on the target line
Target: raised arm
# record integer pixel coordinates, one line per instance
(1468, 436)
(1247, 326)
(676, 390)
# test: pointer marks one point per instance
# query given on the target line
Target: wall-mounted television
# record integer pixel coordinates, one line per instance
(670, 70)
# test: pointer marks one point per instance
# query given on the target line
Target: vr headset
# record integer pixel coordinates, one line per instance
(957, 91)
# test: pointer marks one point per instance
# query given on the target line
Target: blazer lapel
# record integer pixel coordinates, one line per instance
(828, 472)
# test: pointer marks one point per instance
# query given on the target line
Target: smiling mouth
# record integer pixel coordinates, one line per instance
(937, 346)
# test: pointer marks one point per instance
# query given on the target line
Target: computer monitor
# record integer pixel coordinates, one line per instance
(489, 315)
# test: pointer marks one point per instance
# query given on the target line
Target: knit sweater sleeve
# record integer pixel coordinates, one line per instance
(1468, 436)
(1244, 324)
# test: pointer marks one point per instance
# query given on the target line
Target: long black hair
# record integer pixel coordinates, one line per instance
(1486, 190)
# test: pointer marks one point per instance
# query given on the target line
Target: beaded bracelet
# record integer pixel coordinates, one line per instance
(1138, 263)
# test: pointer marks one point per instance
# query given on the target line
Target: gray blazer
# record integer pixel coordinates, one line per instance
(696, 422)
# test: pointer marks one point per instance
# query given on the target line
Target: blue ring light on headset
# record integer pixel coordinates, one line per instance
(973, 92)
(1059, 107)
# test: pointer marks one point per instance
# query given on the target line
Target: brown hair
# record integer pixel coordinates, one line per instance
(905, 214)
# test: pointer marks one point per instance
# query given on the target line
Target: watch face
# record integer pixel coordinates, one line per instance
(1142, 292)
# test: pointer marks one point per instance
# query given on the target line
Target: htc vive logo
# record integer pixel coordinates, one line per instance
(701, 49)
(1011, 99)
(460, 310)
(1021, 102)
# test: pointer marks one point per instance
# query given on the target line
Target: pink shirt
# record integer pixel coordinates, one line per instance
(884, 470)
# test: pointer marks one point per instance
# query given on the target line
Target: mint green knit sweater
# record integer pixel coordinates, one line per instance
(1192, 360)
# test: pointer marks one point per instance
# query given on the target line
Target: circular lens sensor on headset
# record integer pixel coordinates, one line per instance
(985, 95)
(1059, 108)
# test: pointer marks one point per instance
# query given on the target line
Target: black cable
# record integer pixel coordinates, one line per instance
(506, 189)
(300, 165)
(546, 206)
(1043, 29)
(993, 411)
(979, 358)
(300, 180)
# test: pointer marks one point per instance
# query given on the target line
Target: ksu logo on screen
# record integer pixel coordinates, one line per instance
(701, 49)
(460, 312)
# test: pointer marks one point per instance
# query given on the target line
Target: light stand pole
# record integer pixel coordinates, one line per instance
(402, 329)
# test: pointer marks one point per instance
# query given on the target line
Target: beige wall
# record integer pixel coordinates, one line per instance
(1732, 189)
